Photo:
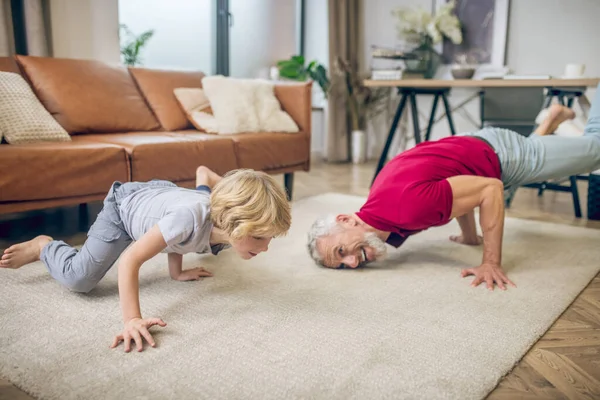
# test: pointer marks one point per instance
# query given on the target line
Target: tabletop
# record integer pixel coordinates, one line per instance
(483, 83)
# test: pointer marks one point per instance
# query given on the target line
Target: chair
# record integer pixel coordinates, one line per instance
(516, 109)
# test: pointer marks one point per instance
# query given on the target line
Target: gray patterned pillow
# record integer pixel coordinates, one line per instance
(23, 119)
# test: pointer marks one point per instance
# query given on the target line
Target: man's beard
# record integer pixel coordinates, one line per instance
(376, 244)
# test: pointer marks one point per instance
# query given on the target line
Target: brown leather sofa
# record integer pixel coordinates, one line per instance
(126, 125)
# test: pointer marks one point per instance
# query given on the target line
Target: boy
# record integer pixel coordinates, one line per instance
(244, 210)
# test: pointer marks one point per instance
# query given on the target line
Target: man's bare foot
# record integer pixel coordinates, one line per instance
(557, 114)
(560, 113)
(24, 253)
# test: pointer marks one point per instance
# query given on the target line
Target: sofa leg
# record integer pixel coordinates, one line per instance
(288, 180)
(83, 217)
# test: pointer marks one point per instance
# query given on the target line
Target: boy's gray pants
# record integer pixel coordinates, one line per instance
(81, 270)
(537, 158)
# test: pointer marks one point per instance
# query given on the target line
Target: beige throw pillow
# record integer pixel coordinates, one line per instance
(246, 105)
(23, 118)
(231, 105)
(196, 106)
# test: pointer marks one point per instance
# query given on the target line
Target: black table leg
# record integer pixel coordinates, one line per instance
(548, 100)
(481, 107)
(386, 148)
(432, 117)
(448, 114)
(415, 117)
(575, 194)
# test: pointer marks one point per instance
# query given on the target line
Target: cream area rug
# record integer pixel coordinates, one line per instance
(279, 327)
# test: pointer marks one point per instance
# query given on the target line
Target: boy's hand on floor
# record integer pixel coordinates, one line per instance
(135, 329)
(194, 274)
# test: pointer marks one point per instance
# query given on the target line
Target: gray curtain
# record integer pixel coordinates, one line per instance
(36, 25)
(345, 33)
(7, 43)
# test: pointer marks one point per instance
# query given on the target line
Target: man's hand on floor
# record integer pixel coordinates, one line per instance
(488, 273)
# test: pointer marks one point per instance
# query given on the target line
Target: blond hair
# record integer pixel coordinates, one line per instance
(250, 203)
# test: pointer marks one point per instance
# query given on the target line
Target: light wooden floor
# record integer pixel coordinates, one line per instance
(564, 364)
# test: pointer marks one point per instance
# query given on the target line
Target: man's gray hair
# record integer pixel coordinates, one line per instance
(322, 226)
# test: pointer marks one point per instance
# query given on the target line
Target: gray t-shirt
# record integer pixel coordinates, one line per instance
(182, 216)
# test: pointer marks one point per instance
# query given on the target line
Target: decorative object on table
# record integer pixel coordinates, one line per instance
(295, 69)
(425, 29)
(464, 67)
(574, 71)
(484, 26)
(133, 45)
(363, 103)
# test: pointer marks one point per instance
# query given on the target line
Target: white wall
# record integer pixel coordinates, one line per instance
(87, 29)
(183, 33)
(263, 32)
(316, 47)
(316, 33)
(544, 35)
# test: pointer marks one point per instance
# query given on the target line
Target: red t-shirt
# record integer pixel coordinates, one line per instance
(412, 193)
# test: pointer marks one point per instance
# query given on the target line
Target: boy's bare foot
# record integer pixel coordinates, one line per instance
(24, 253)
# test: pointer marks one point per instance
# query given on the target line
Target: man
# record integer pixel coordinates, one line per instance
(437, 181)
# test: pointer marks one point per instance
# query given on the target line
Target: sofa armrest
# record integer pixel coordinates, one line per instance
(296, 100)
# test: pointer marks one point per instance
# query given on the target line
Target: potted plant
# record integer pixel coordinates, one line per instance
(131, 48)
(296, 69)
(364, 104)
(424, 30)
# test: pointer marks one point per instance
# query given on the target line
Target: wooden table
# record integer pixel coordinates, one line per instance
(483, 83)
(563, 89)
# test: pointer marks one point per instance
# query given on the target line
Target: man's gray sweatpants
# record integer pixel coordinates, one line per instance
(81, 270)
(537, 158)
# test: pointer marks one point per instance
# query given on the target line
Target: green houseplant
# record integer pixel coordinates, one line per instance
(132, 45)
(296, 69)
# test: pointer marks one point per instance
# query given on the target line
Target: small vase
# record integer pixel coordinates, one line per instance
(359, 147)
(428, 60)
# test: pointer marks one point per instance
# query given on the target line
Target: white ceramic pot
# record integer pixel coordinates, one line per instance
(359, 147)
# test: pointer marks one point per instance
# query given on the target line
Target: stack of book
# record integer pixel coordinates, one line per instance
(387, 64)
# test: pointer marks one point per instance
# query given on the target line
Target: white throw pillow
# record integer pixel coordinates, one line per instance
(246, 105)
(197, 108)
(23, 119)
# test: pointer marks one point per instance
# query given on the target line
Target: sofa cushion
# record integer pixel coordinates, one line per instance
(266, 151)
(57, 170)
(88, 96)
(8, 64)
(173, 156)
(158, 87)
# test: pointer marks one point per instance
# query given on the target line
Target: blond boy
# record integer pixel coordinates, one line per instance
(243, 210)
